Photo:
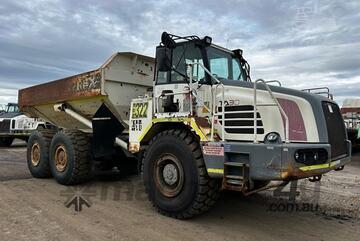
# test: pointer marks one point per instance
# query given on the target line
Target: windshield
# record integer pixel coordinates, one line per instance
(224, 64)
(221, 63)
(12, 108)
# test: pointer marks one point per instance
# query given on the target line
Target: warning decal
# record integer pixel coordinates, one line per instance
(213, 150)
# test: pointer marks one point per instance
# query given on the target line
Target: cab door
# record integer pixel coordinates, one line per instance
(172, 88)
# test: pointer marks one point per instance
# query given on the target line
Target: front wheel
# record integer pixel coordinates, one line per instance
(175, 176)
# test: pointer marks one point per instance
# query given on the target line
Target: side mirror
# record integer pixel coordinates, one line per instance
(163, 60)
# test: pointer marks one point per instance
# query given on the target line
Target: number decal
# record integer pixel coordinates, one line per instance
(139, 110)
(136, 125)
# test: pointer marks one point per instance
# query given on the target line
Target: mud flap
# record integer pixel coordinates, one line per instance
(105, 128)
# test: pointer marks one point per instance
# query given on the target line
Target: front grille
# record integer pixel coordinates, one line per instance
(241, 122)
(335, 129)
(5, 126)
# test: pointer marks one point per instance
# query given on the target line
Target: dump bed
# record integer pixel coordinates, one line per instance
(122, 77)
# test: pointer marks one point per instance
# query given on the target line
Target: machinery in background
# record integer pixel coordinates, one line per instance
(350, 111)
(14, 124)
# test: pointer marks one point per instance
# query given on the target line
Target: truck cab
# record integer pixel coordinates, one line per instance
(250, 132)
(14, 124)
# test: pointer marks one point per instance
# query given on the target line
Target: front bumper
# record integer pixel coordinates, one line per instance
(269, 161)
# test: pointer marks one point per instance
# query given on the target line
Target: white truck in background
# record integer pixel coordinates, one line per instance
(14, 124)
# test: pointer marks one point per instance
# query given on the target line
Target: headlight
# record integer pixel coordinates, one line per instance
(207, 40)
(311, 156)
(272, 137)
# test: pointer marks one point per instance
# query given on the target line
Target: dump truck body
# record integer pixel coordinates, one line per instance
(123, 77)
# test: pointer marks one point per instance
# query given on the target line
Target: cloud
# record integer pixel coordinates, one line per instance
(302, 43)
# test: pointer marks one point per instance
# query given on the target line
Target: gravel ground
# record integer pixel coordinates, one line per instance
(34, 209)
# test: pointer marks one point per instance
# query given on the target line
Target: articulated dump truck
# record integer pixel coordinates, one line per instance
(191, 119)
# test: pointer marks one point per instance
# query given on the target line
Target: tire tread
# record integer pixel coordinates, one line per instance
(208, 188)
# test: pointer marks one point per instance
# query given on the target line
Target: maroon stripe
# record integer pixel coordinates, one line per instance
(297, 131)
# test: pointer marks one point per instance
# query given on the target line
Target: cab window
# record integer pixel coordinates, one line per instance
(183, 55)
(224, 65)
(12, 108)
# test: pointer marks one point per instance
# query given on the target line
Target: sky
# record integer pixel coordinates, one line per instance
(304, 44)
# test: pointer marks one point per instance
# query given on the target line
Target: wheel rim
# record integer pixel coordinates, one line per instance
(35, 154)
(169, 175)
(61, 158)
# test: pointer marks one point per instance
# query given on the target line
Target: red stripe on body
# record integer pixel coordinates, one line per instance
(297, 131)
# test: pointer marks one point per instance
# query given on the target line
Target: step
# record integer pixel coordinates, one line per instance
(234, 164)
(234, 177)
(234, 182)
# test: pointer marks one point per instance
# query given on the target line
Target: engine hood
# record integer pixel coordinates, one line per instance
(313, 99)
(278, 89)
(6, 115)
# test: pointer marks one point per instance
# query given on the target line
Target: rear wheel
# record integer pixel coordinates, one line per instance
(70, 157)
(175, 176)
(38, 153)
(6, 141)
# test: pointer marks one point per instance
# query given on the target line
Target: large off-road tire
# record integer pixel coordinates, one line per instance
(70, 157)
(175, 176)
(6, 141)
(38, 153)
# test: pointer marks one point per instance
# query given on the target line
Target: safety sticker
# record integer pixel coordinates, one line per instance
(213, 150)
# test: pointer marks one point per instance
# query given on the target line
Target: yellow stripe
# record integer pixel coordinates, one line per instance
(157, 120)
(144, 132)
(190, 121)
(216, 170)
(197, 130)
(334, 163)
(172, 119)
(320, 166)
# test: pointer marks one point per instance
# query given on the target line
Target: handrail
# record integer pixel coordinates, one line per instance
(317, 88)
(214, 110)
(325, 90)
(167, 94)
(277, 104)
(273, 81)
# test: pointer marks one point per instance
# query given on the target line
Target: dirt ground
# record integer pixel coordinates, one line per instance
(34, 209)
